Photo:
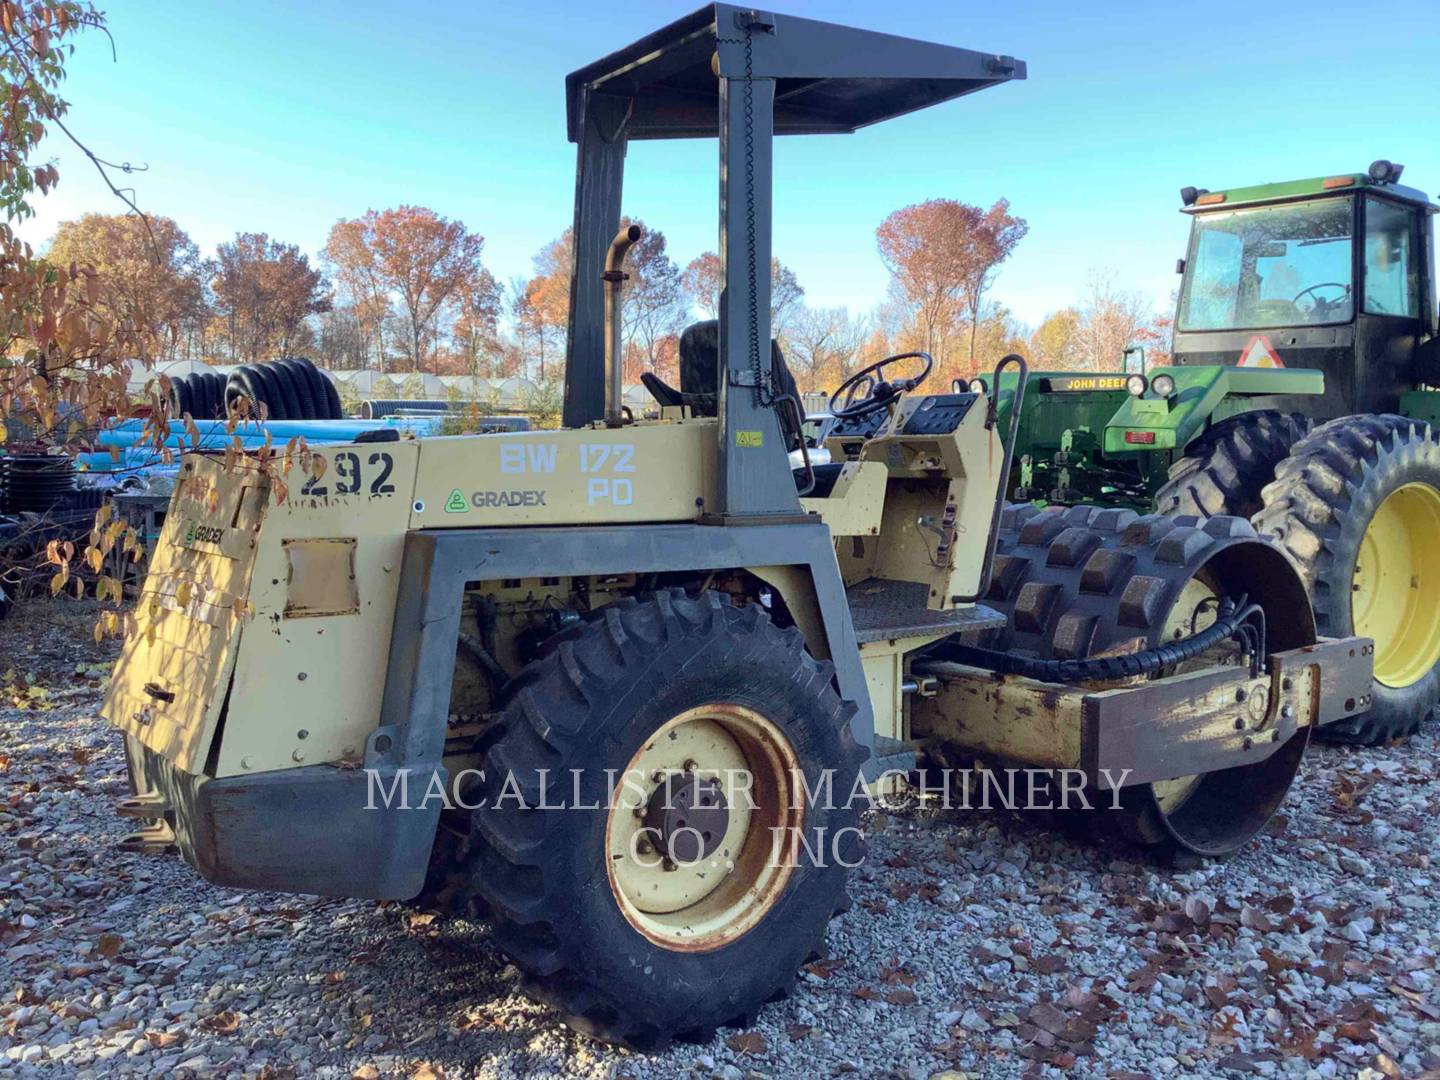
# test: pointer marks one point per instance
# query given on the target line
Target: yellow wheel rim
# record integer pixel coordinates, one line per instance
(1395, 595)
(701, 905)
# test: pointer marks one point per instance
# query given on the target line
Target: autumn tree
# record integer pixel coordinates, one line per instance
(942, 256)
(149, 271)
(1055, 344)
(702, 281)
(1110, 319)
(264, 291)
(539, 335)
(823, 346)
(475, 331)
(361, 286)
(339, 338)
(540, 304)
(412, 254)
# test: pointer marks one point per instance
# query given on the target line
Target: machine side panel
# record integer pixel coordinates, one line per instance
(438, 564)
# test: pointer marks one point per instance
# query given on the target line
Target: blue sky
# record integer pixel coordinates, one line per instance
(285, 116)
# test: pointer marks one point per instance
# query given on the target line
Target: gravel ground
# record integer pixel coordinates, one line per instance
(980, 944)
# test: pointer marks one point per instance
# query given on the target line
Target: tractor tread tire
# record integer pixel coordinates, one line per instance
(584, 704)
(1225, 468)
(1318, 507)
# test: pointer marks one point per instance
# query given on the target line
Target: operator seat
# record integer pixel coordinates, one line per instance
(700, 377)
(699, 388)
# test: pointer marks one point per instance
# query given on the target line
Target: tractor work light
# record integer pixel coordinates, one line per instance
(978, 385)
(1385, 172)
(1163, 385)
(1137, 385)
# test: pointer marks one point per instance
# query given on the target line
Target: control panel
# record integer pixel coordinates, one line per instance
(938, 414)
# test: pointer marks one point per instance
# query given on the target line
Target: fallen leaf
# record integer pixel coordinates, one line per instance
(1046, 1016)
(109, 945)
(222, 1023)
(1254, 918)
(824, 968)
(748, 1042)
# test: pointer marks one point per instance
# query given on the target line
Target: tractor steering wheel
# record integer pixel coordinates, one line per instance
(882, 392)
(1345, 289)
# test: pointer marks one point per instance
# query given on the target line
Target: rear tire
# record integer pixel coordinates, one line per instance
(1225, 469)
(1321, 506)
(549, 878)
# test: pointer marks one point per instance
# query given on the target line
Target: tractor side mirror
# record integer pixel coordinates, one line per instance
(1179, 266)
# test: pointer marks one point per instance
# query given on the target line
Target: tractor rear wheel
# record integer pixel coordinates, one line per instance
(1080, 581)
(656, 849)
(1357, 504)
(1225, 469)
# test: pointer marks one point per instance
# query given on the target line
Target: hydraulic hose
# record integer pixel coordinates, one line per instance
(1231, 621)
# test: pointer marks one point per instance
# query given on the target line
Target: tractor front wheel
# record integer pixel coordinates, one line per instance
(667, 822)
(1357, 505)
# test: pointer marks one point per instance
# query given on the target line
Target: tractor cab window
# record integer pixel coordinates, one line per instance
(1392, 280)
(1286, 265)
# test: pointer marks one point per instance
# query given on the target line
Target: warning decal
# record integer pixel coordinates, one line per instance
(1260, 353)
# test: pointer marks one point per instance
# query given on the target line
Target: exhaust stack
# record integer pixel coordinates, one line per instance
(615, 277)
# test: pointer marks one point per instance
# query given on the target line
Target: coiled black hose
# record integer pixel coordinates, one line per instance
(1232, 620)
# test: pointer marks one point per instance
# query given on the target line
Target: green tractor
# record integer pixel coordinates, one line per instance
(1305, 379)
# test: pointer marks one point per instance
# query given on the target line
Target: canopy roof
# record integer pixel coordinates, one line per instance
(829, 78)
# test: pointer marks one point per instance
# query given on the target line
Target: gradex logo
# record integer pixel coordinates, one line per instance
(190, 533)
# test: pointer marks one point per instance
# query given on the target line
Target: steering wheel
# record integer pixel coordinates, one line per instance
(1344, 289)
(882, 392)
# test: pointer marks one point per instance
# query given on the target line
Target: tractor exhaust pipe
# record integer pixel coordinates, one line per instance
(614, 278)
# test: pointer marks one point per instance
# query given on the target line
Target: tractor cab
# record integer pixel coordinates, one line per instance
(1334, 274)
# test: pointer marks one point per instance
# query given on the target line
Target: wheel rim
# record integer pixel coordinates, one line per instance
(701, 904)
(1394, 595)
